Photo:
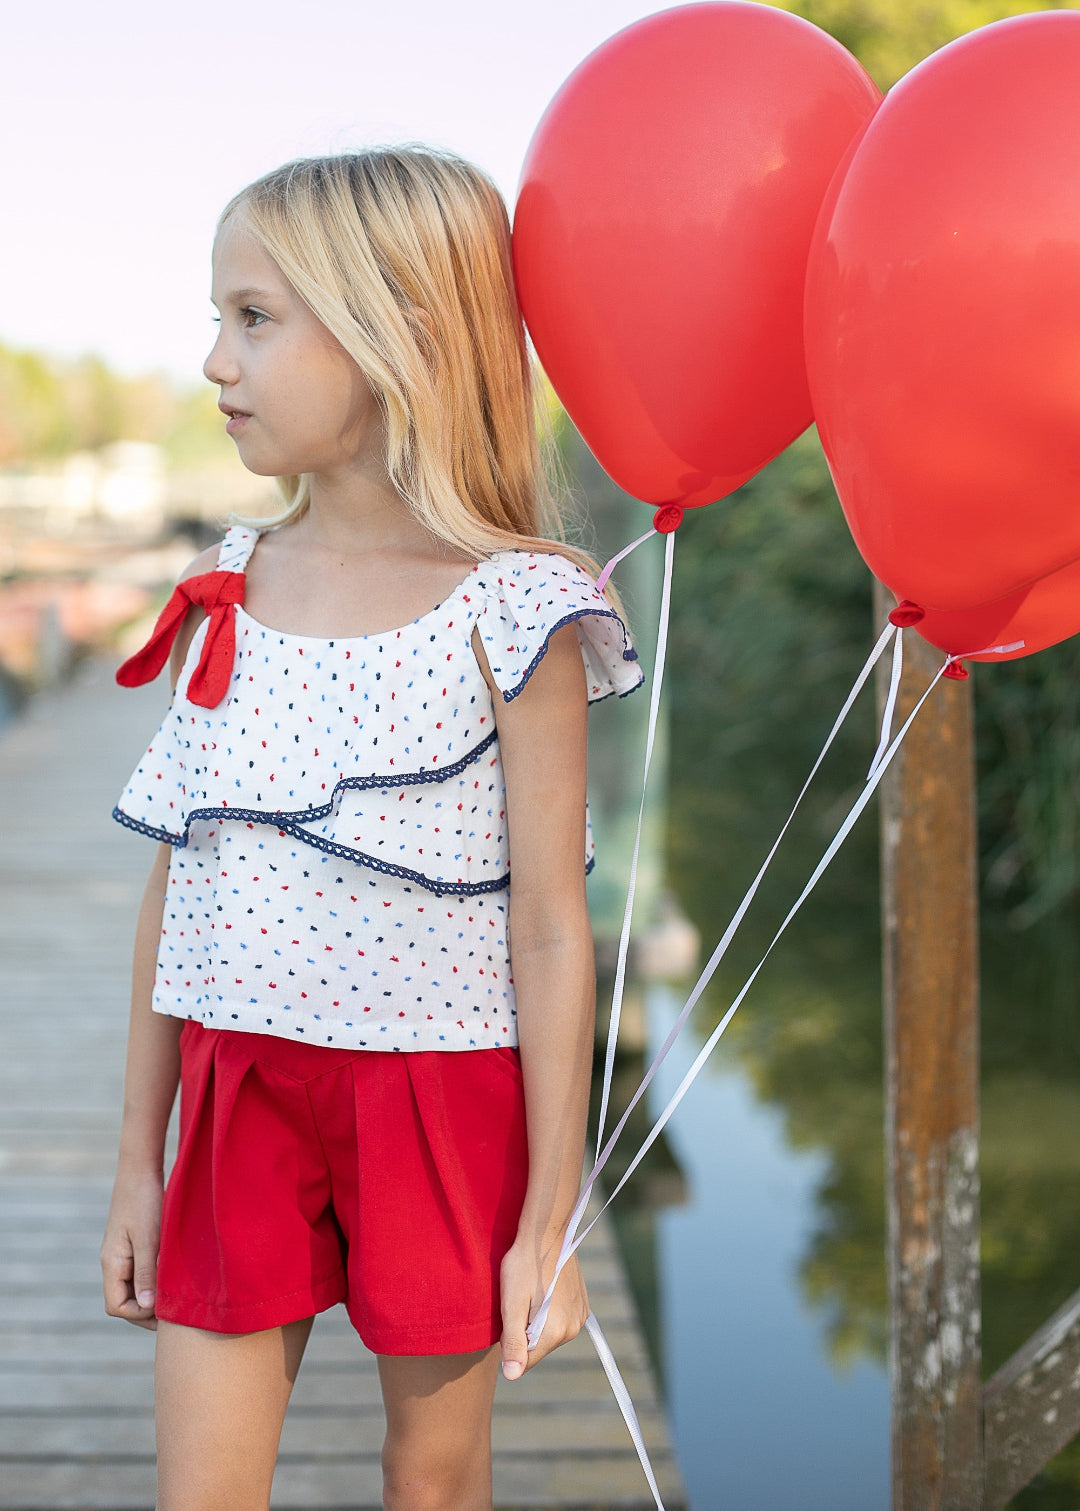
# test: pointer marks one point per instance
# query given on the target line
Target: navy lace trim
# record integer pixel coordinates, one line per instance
(359, 857)
(329, 846)
(365, 783)
(629, 653)
(403, 779)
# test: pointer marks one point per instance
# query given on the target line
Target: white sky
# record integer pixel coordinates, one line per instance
(126, 127)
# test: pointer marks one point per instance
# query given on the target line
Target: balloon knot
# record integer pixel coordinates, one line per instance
(906, 614)
(668, 518)
(956, 670)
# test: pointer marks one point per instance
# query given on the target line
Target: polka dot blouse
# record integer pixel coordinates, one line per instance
(340, 870)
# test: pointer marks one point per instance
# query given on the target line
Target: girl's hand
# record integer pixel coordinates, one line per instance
(130, 1246)
(524, 1283)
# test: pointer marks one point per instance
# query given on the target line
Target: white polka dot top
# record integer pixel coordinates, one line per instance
(340, 870)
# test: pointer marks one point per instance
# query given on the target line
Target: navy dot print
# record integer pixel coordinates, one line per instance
(340, 869)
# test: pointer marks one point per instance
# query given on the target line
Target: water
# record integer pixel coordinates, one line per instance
(761, 1417)
(770, 1285)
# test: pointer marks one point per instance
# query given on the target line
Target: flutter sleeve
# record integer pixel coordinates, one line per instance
(528, 596)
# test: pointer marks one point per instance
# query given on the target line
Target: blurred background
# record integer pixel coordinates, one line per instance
(755, 1236)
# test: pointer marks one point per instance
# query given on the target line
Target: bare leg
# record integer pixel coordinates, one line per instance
(220, 1401)
(437, 1453)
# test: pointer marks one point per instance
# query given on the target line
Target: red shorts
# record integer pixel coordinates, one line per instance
(307, 1175)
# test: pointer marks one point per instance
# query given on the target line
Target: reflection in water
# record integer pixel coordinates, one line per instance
(761, 1418)
(771, 619)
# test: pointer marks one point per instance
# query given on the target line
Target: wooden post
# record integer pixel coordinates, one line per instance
(1031, 1407)
(930, 937)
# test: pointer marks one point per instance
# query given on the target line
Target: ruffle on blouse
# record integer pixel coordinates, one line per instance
(529, 596)
(379, 749)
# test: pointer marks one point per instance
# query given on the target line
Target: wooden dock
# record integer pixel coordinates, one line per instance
(76, 1386)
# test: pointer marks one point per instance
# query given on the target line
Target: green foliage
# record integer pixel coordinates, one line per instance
(196, 434)
(890, 36)
(49, 409)
(33, 417)
(771, 620)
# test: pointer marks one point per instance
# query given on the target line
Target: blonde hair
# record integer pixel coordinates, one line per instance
(404, 254)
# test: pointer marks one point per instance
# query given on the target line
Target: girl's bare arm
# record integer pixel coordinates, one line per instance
(130, 1244)
(542, 738)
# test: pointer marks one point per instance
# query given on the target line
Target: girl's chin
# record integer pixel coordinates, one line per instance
(260, 460)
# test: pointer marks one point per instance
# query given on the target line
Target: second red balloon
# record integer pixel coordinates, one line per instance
(661, 236)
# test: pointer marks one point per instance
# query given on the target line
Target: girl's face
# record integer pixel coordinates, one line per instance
(302, 404)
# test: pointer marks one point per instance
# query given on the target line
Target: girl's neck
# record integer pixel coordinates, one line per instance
(354, 514)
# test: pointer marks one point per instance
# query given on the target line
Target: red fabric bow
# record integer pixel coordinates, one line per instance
(216, 592)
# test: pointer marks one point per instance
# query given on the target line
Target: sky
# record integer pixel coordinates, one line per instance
(128, 127)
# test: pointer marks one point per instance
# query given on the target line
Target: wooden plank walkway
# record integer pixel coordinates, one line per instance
(76, 1386)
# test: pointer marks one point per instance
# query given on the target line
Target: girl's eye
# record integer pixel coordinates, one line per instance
(256, 317)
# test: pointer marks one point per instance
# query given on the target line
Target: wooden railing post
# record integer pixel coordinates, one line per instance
(930, 937)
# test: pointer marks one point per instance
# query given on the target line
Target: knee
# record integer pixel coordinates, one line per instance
(416, 1479)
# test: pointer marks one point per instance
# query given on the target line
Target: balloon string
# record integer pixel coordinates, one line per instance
(625, 1403)
(600, 1343)
(570, 1240)
(890, 704)
(609, 567)
(573, 1238)
(650, 739)
(714, 1038)
(992, 650)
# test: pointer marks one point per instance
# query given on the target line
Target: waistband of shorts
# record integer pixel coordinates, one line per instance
(305, 1062)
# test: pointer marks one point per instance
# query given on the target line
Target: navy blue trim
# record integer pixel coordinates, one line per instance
(148, 829)
(330, 847)
(629, 653)
(364, 783)
(615, 693)
(401, 779)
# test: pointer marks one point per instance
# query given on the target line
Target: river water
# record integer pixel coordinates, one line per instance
(764, 1292)
(765, 1289)
(762, 1417)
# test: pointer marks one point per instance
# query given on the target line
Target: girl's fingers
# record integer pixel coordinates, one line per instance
(522, 1290)
(117, 1269)
(515, 1345)
(129, 1277)
(146, 1278)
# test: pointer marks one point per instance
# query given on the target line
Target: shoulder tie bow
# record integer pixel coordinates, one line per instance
(216, 592)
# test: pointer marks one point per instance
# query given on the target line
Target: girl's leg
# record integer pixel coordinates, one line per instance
(437, 1453)
(220, 1401)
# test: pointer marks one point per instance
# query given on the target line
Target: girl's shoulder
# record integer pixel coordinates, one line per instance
(539, 579)
(525, 597)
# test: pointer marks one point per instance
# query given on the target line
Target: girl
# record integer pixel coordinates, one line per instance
(376, 1108)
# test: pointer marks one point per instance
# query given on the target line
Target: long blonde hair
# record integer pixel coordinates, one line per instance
(404, 254)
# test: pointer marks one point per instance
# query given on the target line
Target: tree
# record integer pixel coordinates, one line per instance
(890, 36)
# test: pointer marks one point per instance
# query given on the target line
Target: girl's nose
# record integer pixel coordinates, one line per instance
(219, 366)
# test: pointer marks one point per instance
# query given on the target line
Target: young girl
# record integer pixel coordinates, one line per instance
(378, 718)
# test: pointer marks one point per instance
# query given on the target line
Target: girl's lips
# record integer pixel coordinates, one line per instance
(236, 422)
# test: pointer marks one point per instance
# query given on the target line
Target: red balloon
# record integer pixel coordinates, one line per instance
(943, 327)
(661, 234)
(1018, 625)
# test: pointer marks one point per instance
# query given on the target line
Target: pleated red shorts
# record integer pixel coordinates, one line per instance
(307, 1175)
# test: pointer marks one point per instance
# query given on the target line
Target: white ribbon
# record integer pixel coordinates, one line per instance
(592, 1326)
(993, 650)
(626, 1405)
(842, 833)
(890, 703)
(571, 1241)
(659, 663)
(609, 567)
(883, 757)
